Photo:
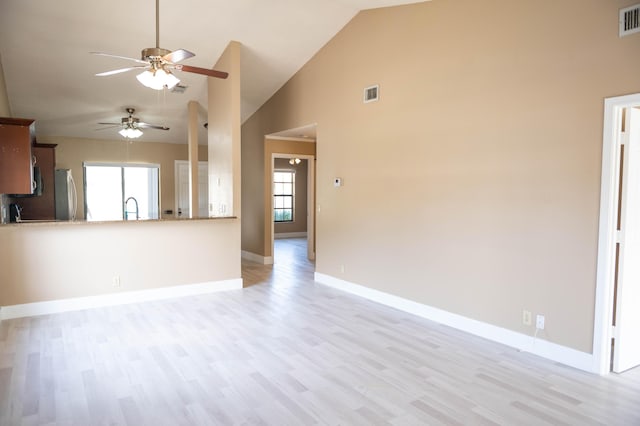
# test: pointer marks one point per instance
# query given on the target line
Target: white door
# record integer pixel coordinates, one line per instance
(626, 353)
(182, 188)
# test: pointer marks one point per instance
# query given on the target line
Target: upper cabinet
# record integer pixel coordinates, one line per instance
(17, 137)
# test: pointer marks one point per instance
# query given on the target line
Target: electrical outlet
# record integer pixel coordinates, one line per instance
(540, 322)
(526, 317)
(342, 269)
(116, 281)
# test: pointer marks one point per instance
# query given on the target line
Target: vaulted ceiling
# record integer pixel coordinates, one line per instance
(50, 75)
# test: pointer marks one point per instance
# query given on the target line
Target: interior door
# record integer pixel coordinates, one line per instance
(182, 188)
(203, 189)
(626, 353)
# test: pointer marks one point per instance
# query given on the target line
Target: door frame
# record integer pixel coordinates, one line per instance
(311, 196)
(607, 234)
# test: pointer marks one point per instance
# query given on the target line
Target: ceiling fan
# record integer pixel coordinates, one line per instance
(131, 125)
(157, 64)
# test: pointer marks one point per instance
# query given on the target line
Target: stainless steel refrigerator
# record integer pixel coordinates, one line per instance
(66, 195)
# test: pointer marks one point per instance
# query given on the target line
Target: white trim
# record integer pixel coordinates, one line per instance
(118, 164)
(253, 257)
(543, 348)
(280, 235)
(122, 298)
(607, 230)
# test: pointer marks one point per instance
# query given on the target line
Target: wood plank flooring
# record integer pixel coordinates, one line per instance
(285, 351)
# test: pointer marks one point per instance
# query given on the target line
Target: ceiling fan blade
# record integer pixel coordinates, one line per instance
(121, 70)
(120, 57)
(111, 124)
(178, 55)
(151, 126)
(203, 71)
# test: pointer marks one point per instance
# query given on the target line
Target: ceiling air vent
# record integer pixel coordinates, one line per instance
(179, 88)
(629, 20)
(371, 93)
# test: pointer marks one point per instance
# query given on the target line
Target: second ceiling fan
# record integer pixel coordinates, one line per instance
(158, 63)
(131, 125)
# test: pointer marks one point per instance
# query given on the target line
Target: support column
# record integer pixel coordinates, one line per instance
(193, 159)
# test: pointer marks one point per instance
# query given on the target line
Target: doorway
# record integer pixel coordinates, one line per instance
(616, 347)
(291, 209)
(289, 144)
(310, 201)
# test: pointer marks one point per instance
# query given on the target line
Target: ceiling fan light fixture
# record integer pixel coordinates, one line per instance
(131, 132)
(158, 79)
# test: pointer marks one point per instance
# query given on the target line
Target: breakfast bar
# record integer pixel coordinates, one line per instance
(64, 265)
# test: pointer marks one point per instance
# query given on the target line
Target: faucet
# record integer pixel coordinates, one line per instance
(126, 212)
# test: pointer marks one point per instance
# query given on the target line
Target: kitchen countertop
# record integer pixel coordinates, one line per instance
(85, 222)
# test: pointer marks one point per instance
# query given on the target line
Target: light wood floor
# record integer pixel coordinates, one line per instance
(285, 351)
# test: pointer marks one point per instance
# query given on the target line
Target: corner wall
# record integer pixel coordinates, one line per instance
(224, 135)
(472, 186)
(5, 111)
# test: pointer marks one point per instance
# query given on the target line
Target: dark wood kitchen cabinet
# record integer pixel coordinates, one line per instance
(42, 207)
(17, 136)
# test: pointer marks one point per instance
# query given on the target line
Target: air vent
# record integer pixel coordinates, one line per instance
(178, 88)
(371, 93)
(629, 20)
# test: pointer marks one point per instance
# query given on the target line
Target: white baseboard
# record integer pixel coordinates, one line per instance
(89, 302)
(263, 260)
(281, 235)
(558, 353)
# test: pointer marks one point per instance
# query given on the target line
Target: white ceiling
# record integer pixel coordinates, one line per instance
(49, 73)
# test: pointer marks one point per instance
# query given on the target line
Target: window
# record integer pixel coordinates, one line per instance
(121, 191)
(283, 192)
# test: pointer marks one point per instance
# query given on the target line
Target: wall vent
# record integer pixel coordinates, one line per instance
(371, 93)
(630, 20)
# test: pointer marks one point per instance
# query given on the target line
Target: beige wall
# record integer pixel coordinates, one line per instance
(299, 223)
(473, 184)
(58, 261)
(72, 152)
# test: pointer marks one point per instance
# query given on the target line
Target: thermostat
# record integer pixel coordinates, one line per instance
(337, 182)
